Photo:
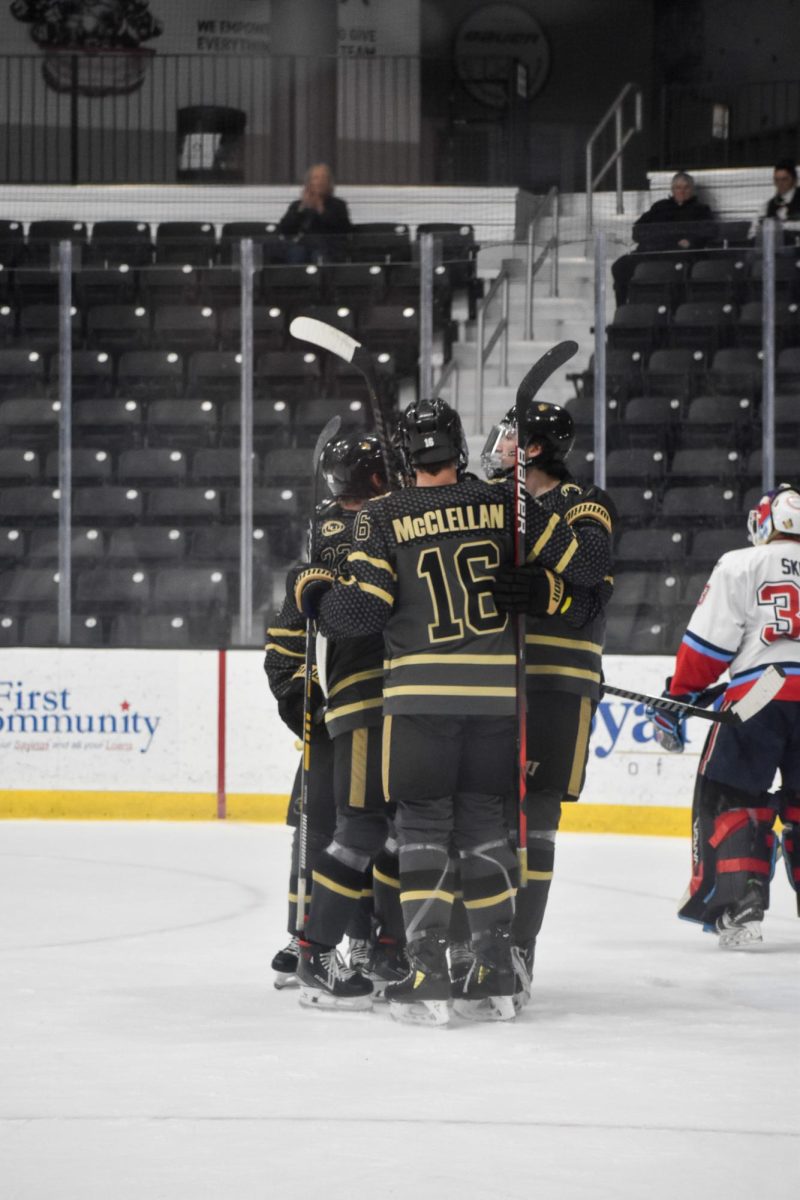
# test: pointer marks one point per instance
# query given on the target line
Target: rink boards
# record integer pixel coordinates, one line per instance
(194, 735)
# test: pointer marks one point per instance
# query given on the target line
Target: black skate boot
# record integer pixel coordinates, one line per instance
(388, 963)
(325, 981)
(522, 958)
(284, 964)
(739, 927)
(489, 987)
(421, 997)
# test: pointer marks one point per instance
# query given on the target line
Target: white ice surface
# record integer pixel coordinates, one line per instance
(146, 1056)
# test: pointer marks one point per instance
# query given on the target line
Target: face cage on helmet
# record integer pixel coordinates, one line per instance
(499, 454)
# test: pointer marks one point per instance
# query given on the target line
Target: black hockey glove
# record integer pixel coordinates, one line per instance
(290, 708)
(530, 589)
(310, 587)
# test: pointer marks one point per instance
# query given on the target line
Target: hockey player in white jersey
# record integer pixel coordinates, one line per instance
(747, 617)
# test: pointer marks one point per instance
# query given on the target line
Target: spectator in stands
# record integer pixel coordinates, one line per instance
(664, 227)
(317, 220)
(785, 204)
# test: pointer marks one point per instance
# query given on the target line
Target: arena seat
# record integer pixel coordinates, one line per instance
(22, 372)
(118, 327)
(380, 242)
(269, 328)
(186, 328)
(115, 243)
(150, 374)
(181, 423)
(92, 375)
(187, 243)
(153, 466)
(113, 423)
(660, 282)
(703, 325)
(717, 278)
(86, 545)
(29, 421)
(109, 505)
(146, 544)
(102, 285)
(89, 465)
(18, 466)
(641, 327)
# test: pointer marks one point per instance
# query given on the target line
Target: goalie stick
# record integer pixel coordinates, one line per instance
(763, 690)
(328, 434)
(335, 341)
(538, 375)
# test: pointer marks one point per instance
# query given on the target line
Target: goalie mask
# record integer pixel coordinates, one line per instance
(431, 433)
(350, 465)
(777, 514)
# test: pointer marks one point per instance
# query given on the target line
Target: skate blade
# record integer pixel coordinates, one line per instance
(490, 1008)
(282, 980)
(420, 1012)
(379, 987)
(520, 1000)
(746, 937)
(311, 997)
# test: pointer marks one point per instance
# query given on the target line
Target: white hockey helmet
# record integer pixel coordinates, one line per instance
(777, 514)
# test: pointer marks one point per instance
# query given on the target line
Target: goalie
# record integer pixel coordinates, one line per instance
(747, 617)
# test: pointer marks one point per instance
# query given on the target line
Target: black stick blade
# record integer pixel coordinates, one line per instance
(541, 371)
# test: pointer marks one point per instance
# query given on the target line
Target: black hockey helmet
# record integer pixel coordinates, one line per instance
(349, 466)
(430, 432)
(551, 425)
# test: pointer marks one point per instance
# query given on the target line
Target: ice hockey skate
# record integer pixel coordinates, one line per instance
(387, 963)
(284, 964)
(326, 982)
(522, 960)
(421, 998)
(488, 992)
(739, 927)
(358, 953)
(461, 957)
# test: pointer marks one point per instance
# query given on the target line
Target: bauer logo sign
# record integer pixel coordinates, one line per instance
(489, 40)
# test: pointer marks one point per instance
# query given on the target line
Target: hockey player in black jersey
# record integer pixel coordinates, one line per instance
(564, 641)
(422, 569)
(351, 671)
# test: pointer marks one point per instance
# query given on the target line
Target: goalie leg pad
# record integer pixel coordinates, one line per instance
(745, 847)
(790, 816)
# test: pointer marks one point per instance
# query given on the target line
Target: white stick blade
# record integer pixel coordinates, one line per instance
(763, 690)
(327, 337)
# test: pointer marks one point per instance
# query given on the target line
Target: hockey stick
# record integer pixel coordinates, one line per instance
(538, 375)
(335, 341)
(327, 435)
(763, 690)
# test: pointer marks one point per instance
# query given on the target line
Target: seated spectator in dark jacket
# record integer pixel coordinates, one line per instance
(315, 220)
(680, 222)
(785, 204)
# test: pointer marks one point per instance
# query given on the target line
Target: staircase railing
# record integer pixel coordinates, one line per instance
(547, 203)
(499, 334)
(622, 136)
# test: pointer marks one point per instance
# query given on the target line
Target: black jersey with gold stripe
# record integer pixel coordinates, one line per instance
(352, 667)
(563, 651)
(422, 568)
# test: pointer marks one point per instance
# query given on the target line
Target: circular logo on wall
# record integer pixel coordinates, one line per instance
(490, 42)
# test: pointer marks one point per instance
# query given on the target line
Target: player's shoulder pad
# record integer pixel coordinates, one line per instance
(593, 504)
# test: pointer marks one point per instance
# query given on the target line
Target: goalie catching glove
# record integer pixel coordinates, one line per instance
(310, 586)
(530, 589)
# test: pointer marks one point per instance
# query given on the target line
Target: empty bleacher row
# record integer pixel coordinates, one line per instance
(156, 413)
(684, 432)
(200, 244)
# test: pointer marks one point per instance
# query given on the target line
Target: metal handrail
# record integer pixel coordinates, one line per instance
(501, 281)
(449, 369)
(550, 247)
(621, 140)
